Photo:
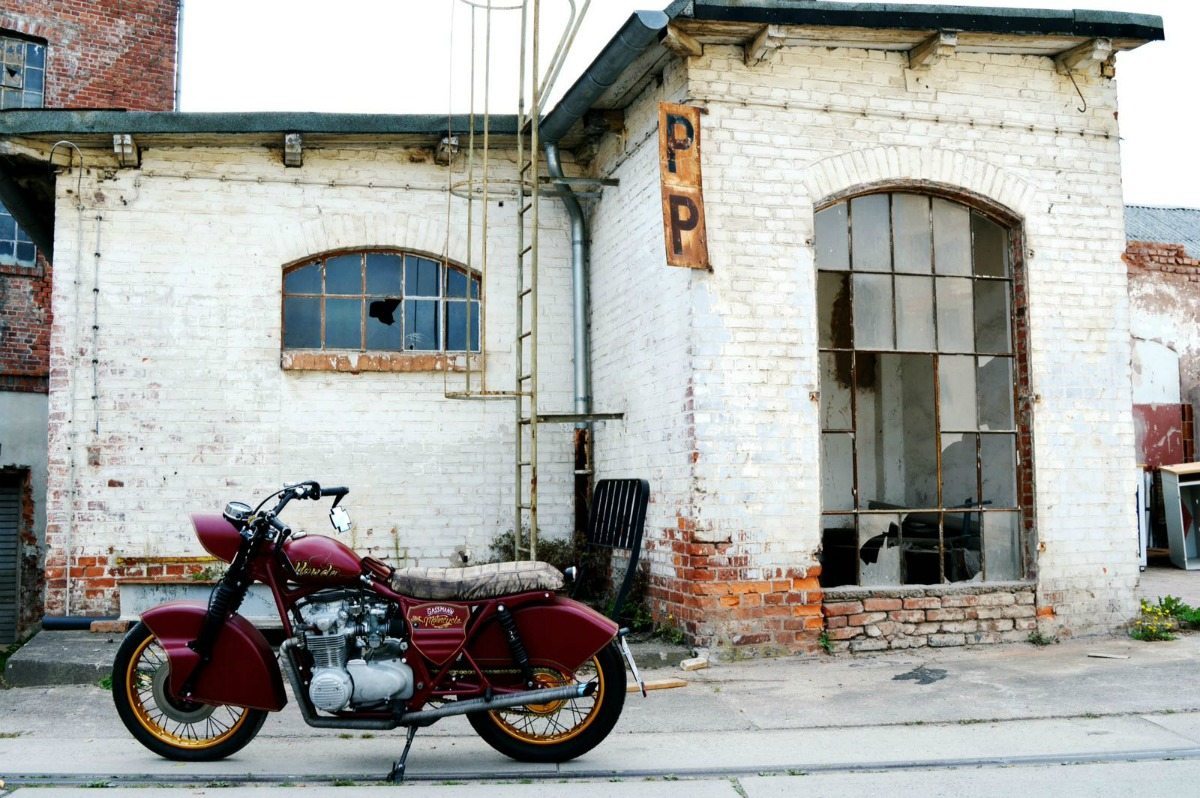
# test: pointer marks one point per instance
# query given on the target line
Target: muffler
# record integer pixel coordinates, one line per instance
(425, 717)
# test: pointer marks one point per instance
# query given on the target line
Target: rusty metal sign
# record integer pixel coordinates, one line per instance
(682, 192)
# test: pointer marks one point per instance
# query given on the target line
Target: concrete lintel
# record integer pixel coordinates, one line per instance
(1081, 57)
(938, 46)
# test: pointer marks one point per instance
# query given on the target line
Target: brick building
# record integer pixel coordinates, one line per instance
(874, 416)
(56, 54)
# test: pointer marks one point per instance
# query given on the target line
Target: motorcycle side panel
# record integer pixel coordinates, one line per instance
(218, 536)
(560, 633)
(242, 672)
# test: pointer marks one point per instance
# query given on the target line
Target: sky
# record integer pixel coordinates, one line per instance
(414, 56)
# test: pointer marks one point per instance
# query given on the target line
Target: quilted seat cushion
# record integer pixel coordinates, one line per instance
(476, 581)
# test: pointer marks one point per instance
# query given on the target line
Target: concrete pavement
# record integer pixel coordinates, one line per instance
(926, 717)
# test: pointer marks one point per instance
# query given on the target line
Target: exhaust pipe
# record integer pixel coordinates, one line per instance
(422, 717)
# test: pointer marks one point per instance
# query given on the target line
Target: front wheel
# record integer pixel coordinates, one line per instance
(166, 724)
(559, 730)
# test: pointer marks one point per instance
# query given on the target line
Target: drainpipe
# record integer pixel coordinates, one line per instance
(580, 263)
(178, 55)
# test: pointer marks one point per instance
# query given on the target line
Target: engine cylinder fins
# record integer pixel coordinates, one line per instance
(328, 651)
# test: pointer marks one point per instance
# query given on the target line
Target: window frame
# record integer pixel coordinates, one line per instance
(443, 301)
(1021, 513)
(12, 263)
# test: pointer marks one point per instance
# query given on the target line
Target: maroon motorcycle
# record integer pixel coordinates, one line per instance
(369, 647)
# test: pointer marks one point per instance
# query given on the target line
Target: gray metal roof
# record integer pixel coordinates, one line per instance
(1164, 226)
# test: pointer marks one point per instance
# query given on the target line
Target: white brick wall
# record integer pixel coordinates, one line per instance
(193, 408)
(724, 364)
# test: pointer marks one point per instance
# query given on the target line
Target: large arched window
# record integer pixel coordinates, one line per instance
(919, 433)
(380, 300)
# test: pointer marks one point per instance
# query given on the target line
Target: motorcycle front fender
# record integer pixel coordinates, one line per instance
(560, 632)
(242, 672)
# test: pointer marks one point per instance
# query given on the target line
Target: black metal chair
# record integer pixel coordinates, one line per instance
(616, 521)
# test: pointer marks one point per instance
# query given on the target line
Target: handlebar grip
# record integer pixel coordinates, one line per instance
(334, 491)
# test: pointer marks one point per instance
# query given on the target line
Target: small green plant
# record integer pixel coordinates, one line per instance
(10, 735)
(219, 784)
(105, 681)
(208, 573)
(1187, 615)
(1154, 622)
(97, 785)
(343, 782)
(1036, 638)
(824, 642)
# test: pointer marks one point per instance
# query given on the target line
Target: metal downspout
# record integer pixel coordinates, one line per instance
(579, 286)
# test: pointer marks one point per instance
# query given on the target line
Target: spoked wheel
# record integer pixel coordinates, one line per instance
(564, 729)
(164, 723)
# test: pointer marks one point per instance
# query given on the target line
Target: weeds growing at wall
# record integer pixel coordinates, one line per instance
(1160, 620)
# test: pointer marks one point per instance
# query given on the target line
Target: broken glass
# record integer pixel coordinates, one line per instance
(991, 247)
(871, 233)
(383, 324)
(911, 233)
(994, 383)
(831, 238)
(992, 317)
(879, 549)
(960, 484)
(839, 551)
(896, 433)
(835, 390)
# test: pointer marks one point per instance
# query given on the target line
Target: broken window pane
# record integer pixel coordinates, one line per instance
(833, 310)
(301, 323)
(343, 275)
(839, 551)
(871, 233)
(835, 390)
(951, 238)
(383, 324)
(343, 324)
(991, 247)
(837, 471)
(1002, 553)
(879, 549)
(956, 379)
(420, 324)
(420, 277)
(896, 433)
(873, 311)
(831, 238)
(963, 560)
(383, 273)
(914, 313)
(305, 280)
(994, 383)
(960, 483)
(920, 548)
(911, 233)
(998, 464)
(456, 326)
(992, 316)
(955, 316)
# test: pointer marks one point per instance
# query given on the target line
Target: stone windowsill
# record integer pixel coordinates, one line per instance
(356, 362)
(852, 592)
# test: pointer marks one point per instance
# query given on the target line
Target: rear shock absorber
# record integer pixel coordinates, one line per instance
(520, 656)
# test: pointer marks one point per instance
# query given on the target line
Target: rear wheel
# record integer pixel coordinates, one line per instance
(559, 730)
(166, 724)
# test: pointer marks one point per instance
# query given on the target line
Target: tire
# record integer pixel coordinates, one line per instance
(175, 729)
(560, 730)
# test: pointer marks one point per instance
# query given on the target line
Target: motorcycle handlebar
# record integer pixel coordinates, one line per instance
(334, 491)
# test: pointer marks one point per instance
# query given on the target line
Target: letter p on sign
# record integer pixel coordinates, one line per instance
(682, 196)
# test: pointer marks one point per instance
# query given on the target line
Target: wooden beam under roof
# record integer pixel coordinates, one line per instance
(938, 46)
(682, 43)
(1081, 57)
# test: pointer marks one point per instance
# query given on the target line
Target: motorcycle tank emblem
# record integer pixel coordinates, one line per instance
(306, 568)
(437, 616)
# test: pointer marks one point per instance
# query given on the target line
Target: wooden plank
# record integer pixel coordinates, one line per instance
(682, 43)
(658, 684)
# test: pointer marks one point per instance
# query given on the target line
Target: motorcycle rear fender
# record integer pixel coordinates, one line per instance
(559, 632)
(242, 671)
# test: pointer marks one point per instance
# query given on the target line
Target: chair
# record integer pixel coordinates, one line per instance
(616, 522)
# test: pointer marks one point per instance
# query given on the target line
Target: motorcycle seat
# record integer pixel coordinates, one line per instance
(476, 581)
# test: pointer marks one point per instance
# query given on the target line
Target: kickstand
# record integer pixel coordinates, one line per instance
(397, 774)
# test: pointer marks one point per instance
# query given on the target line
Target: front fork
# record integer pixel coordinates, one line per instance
(225, 601)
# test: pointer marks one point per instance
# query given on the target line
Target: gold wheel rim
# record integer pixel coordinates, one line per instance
(555, 721)
(197, 727)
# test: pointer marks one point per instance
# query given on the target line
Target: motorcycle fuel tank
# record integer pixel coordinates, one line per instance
(316, 558)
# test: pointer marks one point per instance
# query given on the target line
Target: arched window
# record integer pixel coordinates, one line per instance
(919, 432)
(380, 300)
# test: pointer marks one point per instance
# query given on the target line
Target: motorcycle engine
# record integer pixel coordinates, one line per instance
(357, 646)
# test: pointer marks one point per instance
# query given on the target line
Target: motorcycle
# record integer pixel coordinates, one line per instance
(367, 646)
